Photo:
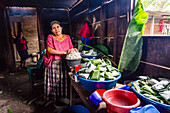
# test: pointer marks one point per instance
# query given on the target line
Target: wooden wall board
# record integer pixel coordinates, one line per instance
(7, 59)
(110, 10)
(156, 49)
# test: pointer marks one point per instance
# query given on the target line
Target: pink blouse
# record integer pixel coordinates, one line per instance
(22, 45)
(60, 45)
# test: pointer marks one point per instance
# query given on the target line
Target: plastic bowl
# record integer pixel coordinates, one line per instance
(92, 85)
(73, 62)
(163, 108)
(120, 101)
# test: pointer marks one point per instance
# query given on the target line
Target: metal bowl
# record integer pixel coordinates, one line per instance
(73, 62)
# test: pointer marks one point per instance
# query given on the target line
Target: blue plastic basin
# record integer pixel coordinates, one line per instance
(91, 56)
(163, 108)
(92, 85)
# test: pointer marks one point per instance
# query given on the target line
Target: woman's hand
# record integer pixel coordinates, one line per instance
(13, 37)
(75, 49)
(70, 51)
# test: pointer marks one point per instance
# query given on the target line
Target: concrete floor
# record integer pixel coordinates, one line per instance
(16, 93)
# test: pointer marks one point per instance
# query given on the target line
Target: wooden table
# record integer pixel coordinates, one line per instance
(84, 96)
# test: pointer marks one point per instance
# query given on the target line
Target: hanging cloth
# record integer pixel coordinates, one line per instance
(86, 31)
(161, 25)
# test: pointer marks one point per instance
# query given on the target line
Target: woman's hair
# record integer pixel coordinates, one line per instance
(55, 22)
(19, 33)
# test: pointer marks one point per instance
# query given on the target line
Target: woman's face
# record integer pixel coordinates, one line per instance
(56, 29)
(21, 34)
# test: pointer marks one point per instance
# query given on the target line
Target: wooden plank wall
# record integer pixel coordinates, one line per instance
(49, 15)
(156, 57)
(7, 59)
(109, 20)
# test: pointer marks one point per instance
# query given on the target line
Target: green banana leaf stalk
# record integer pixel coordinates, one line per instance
(148, 89)
(152, 97)
(136, 86)
(132, 47)
(142, 83)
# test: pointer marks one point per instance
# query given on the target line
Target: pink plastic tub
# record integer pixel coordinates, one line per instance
(120, 101)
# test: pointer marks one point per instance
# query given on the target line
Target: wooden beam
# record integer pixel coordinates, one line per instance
(116, 32)
(37, 4)
(152, 26)
(156, 65)
(40, 29)
(84, 11)
(75, 4)
(102, 24)
(69, 21)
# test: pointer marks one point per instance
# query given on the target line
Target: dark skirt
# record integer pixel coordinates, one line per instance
(55, 81)
(23, 54)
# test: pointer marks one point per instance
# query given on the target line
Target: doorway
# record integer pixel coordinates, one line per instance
(24, 19)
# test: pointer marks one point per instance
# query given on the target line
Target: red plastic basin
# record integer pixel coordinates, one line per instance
(120, 101)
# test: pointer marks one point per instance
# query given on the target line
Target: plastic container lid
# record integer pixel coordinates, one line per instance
(125, 88)
(95, 97)
(146, 109)
(77, 67)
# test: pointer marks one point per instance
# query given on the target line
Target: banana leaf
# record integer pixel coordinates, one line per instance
(95, 75)
(109, 75)
(108, 62)
(147, 88)
(103, 49)
(97, 68)
(84, 75)
(96, 61)
(102, 73)
(142, 83)
(91, 68)
(101, 68)
(136, 86)
(132, 47)
(102, 79)
(9, 110)
(152, 97)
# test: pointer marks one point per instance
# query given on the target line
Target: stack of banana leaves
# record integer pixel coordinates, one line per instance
(89, 52)
(157, 90)
(98, 69)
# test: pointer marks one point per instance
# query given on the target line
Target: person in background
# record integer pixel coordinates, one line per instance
(21, 45)
(58, 45)
(86, 34)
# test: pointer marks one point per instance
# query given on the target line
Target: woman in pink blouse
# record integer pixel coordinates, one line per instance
(21, 45)
(58, 45)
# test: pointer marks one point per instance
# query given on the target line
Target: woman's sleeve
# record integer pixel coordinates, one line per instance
(70, 43)
(49, 43)
(26, 42)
